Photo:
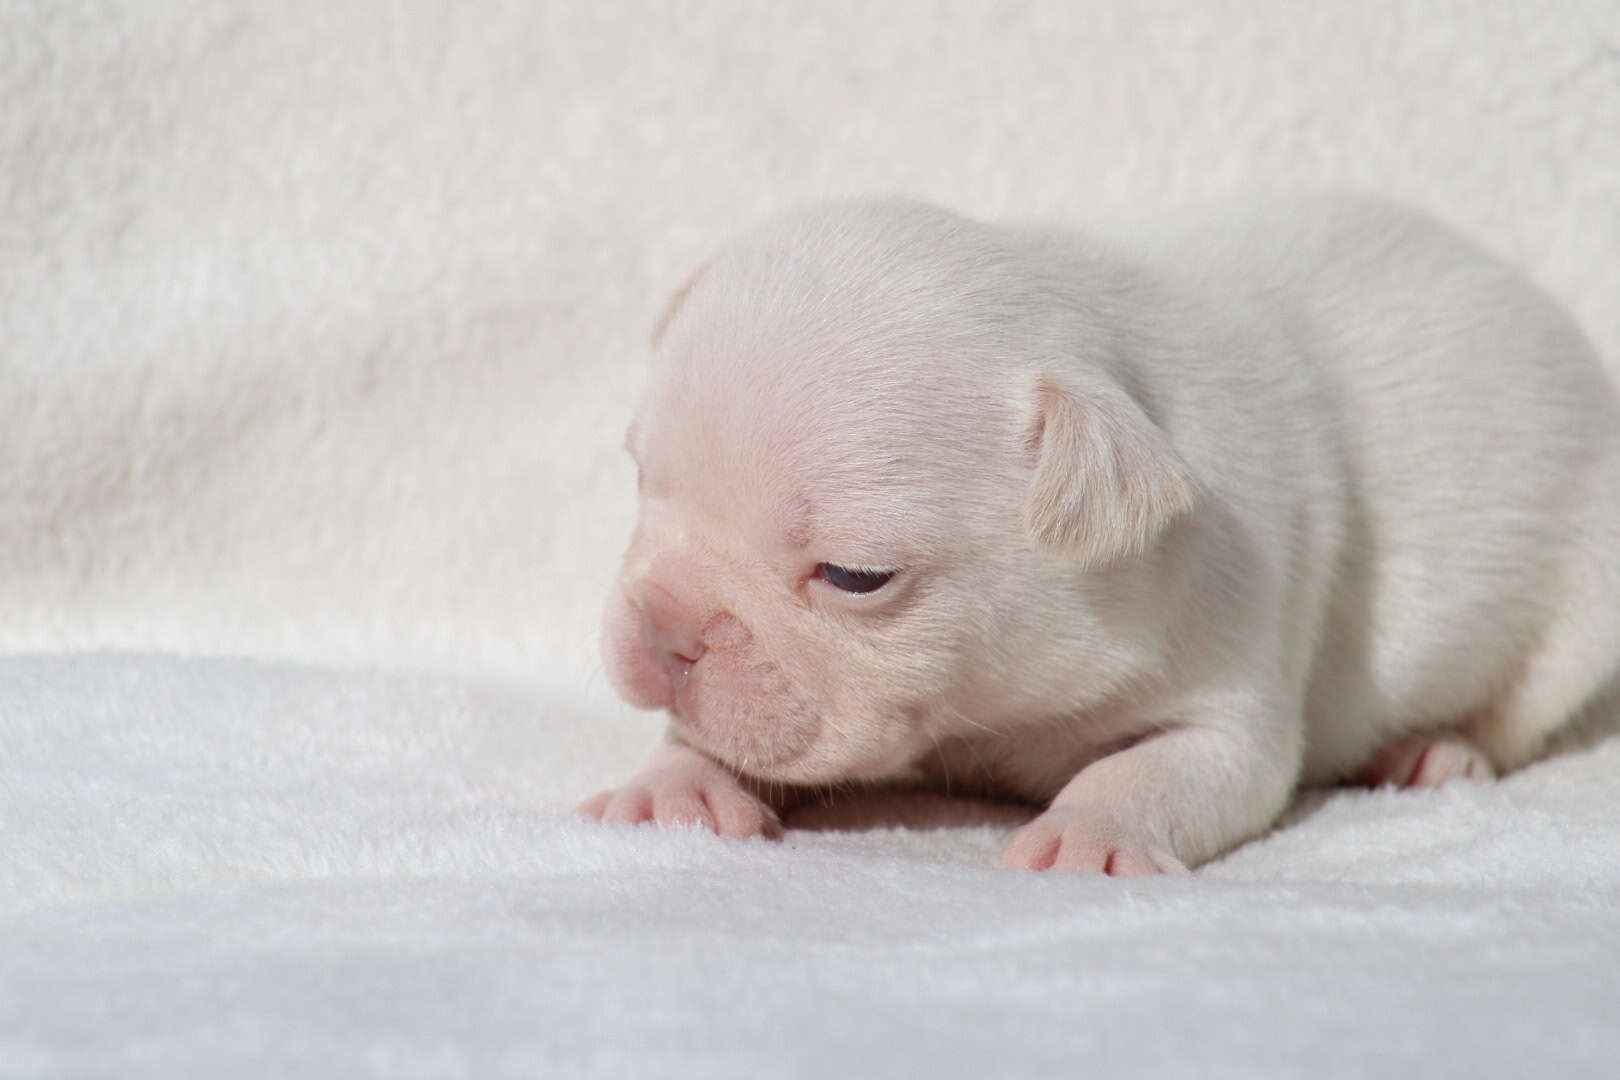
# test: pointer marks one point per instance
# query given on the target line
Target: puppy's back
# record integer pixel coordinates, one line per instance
(1479, 438)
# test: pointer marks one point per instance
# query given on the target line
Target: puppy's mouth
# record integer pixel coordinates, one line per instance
(812, 750)
(743, 709)
(759, 737)
(752, 754)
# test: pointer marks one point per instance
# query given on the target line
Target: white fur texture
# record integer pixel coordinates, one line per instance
(1166, 517)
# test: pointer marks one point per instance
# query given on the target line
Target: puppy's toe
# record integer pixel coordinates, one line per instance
(1083, 851)
(681, 806)
(1034, 847)
(631, 806)
(740, 815)
(595, 805)
(1452, 758)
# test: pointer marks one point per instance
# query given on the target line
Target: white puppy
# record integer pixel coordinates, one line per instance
(1146, 526)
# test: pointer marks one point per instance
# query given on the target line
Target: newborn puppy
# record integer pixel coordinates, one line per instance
(1144, 525)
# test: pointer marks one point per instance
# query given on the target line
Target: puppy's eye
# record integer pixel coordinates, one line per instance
(853, 581)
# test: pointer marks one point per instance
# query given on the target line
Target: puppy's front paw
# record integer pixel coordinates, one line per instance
(1078, 840)
(707, 797)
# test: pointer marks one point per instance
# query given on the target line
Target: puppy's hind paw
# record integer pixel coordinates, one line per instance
(1428, 761)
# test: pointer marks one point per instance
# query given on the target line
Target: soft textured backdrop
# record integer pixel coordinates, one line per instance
(319, 323)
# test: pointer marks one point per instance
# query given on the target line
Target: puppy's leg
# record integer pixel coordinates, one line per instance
(679, 786)
(1171, 801)
(1428, 760)
(1578, 654)
(1570, 667)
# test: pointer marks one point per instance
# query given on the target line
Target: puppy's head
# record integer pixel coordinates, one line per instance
(882, 497)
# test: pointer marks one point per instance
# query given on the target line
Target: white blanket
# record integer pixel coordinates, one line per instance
(319, 324)
(218, 868)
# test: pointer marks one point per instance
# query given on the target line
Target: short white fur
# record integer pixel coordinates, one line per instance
(1187, 511)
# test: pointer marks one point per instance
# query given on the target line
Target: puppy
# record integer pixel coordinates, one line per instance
(1145, 525)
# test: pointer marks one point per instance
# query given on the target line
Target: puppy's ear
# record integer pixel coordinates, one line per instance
(672, 306)
(1106, 479)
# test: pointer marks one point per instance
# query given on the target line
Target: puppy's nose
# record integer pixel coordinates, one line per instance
(671, 630)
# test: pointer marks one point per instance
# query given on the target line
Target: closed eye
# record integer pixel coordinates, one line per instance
(853, 579)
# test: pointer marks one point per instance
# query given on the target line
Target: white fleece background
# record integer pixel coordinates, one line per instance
(319, 324)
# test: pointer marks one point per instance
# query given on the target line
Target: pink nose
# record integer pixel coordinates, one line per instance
(670, 629)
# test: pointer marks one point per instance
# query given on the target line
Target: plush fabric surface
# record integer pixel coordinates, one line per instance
(219, 867)
(319, 326)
